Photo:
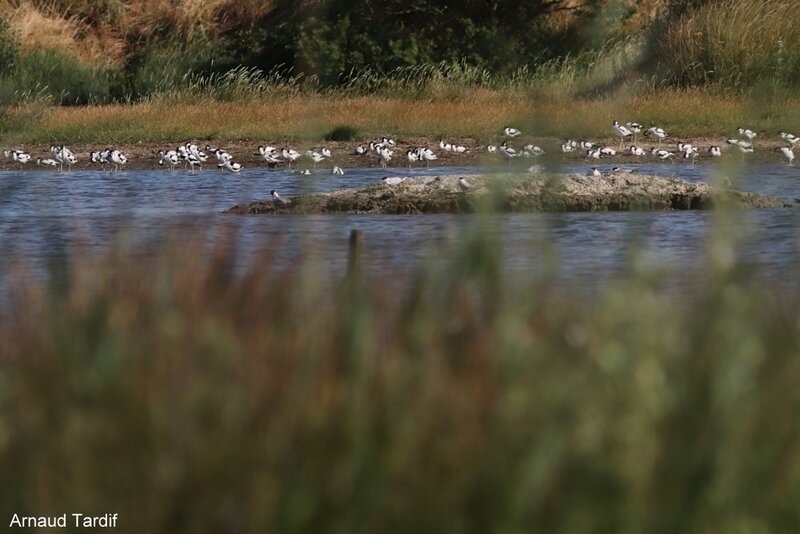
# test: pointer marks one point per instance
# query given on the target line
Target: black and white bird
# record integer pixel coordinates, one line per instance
(316, 157)
(662, 154)
(658, 133)
(748, 133)
(587, 145)
(744, 147)
(338, 171)
(279, 200)
(621, 131)
(47, 162)
(169, 157)
(594, 172)
(393, 180)
(412, 156)
(637, 151)
(569, 146)
(714, 151)
(118, 159)
(17, 156)
(491, 149)
(508, 131)
(464, 184)
(290, 156)
(787, 152)
(384, 157)
(427, 155)
(360, 150)
(791, 139)
(270, 155)
(508, 152)
(531, 151)
(229, 165)
(635, 129)
(608, 151)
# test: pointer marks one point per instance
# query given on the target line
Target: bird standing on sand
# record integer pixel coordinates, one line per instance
(464, 184)
(787, 152)
(657, 132)
(748, 133)
(279, 200)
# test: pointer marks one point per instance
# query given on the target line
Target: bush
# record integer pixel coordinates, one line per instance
(342, 133)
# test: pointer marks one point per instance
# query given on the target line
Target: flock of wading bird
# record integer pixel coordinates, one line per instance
(191, 157)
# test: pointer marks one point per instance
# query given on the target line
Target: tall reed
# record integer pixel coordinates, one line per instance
(188, 395)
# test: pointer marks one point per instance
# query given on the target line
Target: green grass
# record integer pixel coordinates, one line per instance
(187, 398)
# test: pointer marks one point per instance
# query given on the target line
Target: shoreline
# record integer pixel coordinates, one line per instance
(144, 156)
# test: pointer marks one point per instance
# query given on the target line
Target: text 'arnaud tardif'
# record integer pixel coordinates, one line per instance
(65, 520)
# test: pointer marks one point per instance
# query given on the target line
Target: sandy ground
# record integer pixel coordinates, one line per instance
(145, 155)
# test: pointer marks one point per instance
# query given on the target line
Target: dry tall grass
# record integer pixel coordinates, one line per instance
(480, 114)
(734, 43)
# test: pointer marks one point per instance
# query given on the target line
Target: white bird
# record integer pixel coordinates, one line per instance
(594, 153)
(662, 154)
(47, 162)
(743, 146)
(412, 156)
(659, 133)
(532, 151)
(221, 155)
(170, 157)
(491, 149)
(787, 152)
(230, 165)
(360, 150)
(464, 184)
(689, 152)
(567, 147)
(427, 155)
(290, 155)
(193, 162)
(393, 180)
(508, 152)
(621, 131)
(508, 131)
(279, 200)
(118, 159)
(17, 156)
(637, 151)
(594, 172)
(270, 155)
(714, 151)
(387, 141)
(790, 138)
(337, 171)
(588, 145)
(306, 172)
(316, 157)
(64, 156)
(750, 134)
(635, 129)
(608, 151)
(384, 157)
(619, 171)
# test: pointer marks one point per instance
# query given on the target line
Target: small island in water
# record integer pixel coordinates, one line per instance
(531, 193)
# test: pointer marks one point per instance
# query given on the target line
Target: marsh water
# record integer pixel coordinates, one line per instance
(45, 216)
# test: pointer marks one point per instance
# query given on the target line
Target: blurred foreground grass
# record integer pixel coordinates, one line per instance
(188, 398)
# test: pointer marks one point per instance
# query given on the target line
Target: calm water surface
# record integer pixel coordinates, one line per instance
(43, 214)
